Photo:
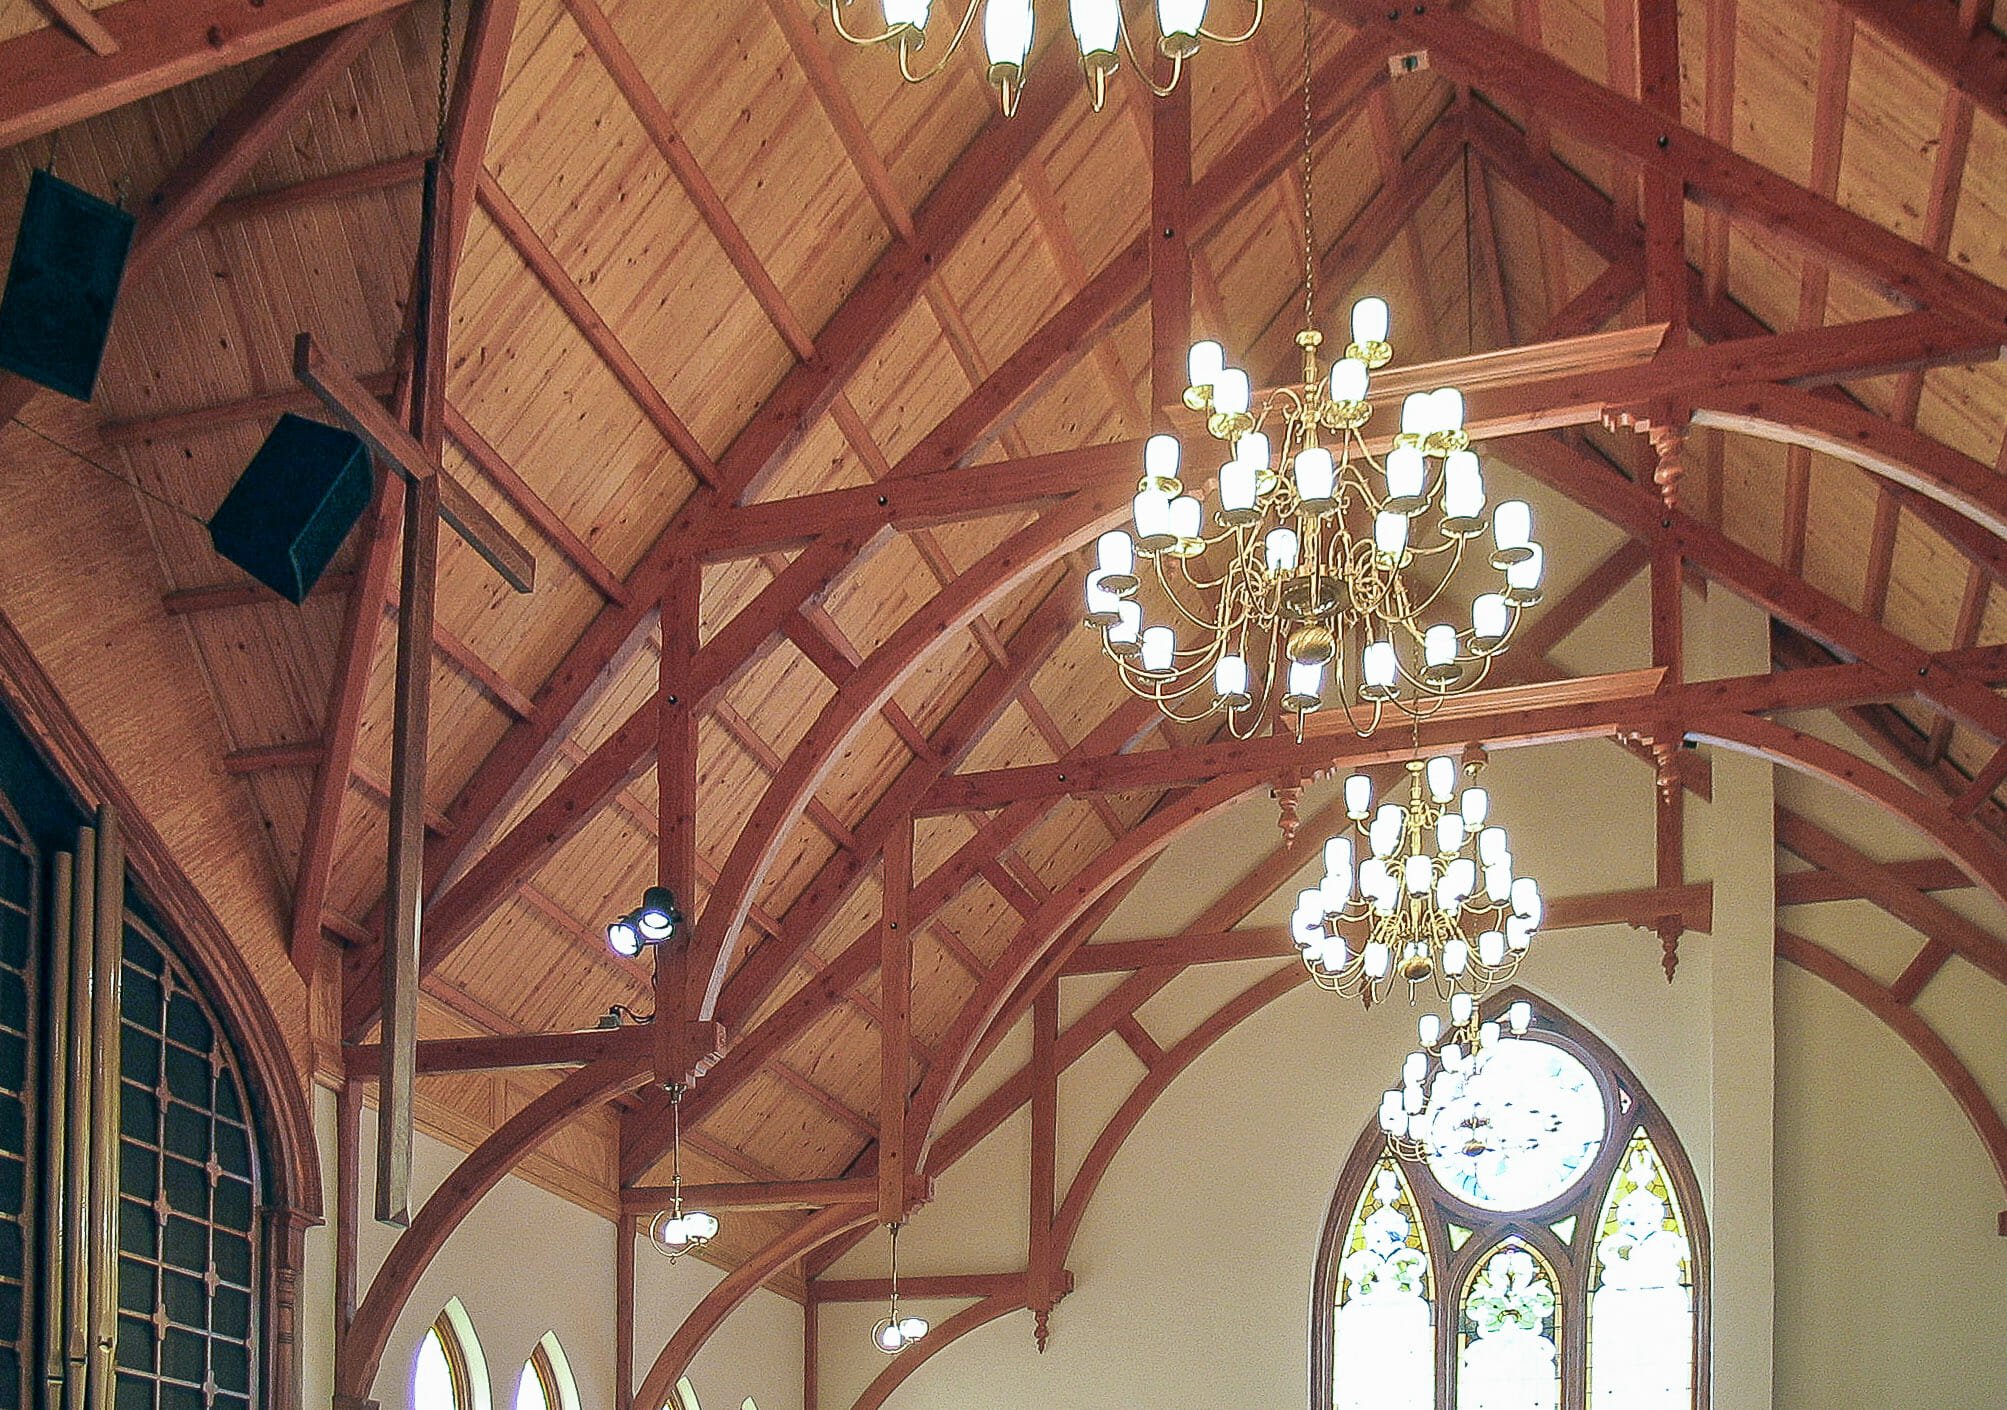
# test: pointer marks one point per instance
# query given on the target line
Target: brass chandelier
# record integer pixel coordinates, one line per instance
(1417, 894)
(1100, 32)
(1434, 1075)
(1321, 571)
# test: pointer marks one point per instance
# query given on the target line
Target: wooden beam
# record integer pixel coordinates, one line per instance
(1972, 59)
(1641, 909)
(1044, 1182)
(1520, 722)
(503, 1052)
(385, 175)
(172, 425)
(46, 83)
(353, 406)
(226, 154)
(1806, 888)
(412, 714)
(84, 27)
(895, 1035)
(1713, 174)
(761, 1194)
(1931, 918)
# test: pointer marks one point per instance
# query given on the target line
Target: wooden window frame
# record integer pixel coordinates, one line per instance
(1571, 1264)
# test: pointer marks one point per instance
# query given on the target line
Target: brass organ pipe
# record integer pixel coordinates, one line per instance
(81, 950)
(55, 1184)
(105, 991)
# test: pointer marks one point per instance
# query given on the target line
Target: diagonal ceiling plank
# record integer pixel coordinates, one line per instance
(1713, 174)
(47, 83)
(1972, 60)
(1063, 339)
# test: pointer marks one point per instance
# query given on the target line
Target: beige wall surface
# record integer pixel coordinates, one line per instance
(526, 1262)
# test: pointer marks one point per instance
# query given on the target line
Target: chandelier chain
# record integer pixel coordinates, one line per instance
(1309, 191)
(445, 65)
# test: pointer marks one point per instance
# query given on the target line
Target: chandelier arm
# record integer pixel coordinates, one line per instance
(835, 8)
(1142, 70)
(1242, 38)
(954, 45)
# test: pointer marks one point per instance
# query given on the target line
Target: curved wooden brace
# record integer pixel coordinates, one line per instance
(472, 1178)
(1029, 946)
(1155, 1083)
(1908, 1025)
(1012, 563)
(1972, 851)
(734, 1288)
(1848, 431)
(270, 1068)
(977, 1314)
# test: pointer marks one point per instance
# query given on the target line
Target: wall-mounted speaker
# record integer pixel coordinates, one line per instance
(293, 505)
(62, 285)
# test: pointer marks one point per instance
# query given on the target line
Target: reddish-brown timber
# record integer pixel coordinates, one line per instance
(1713, 174)
(48, 83)
(1910, 1026)
(1973, 61)
(490, 1053)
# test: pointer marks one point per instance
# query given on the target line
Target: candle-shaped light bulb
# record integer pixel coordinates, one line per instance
(1207, 358)
(1161, 457)
(1349, 379)
(1230, 392)
(1358, 796)
(1281, 546)
(1369, 321)
(1159, 647)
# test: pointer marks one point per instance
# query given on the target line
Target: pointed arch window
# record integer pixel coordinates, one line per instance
(546, 1382)
(1558, 1262)
(449, 1372)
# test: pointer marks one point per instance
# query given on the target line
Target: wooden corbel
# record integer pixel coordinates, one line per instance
(1664, 423)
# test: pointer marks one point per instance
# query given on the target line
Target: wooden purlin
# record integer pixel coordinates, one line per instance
(1496, 63)
(850, 336)
(47, 82)
(869, 313)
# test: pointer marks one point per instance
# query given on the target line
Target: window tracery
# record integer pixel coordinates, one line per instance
(1571, 1278)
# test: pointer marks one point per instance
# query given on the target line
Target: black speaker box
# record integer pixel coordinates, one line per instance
(62, 285)
(293, 505)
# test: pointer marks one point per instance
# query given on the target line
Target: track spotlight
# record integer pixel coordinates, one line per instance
(623, 937)
(658, 916)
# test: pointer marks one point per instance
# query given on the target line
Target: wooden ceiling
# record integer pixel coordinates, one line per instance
(718, 259)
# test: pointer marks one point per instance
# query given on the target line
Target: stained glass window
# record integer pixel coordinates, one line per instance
(1507, 1357)
(1539, 1256)
(1385, 1326)
(1641, 1309)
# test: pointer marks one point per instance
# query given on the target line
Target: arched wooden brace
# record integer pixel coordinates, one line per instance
(1848, 431)
(369, 1334)
(1908, 1025)
(1013, 562)
(1038, 934)
(976, 1314)
(1970, 849)
(736, 1286)
(269, 1067)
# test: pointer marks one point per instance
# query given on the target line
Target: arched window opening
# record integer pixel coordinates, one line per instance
(1547, 1252)
(1385, 1322)
(1508, 1356)
(439, 1375)
(546, 1382)
(449, 1373)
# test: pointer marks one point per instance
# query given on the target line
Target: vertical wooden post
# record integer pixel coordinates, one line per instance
(106, 986)
(676, 790)
(1044, 1155)
(348, 1206)
(1664, 195)
(1668, 650)
(410, 728)
(1170, 256)
(623, 1312)
(412, 712)
(811, 1337)
(895, 1039)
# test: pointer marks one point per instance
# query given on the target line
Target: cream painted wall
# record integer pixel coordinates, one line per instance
(525, 1263)
(1850, 1265)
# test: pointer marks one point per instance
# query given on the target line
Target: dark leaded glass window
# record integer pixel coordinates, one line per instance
(17, 1101)
(189, 1178)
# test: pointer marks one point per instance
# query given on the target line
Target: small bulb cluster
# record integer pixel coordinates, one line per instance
(1432, 872)
(650, 923)
(1099, 29)
(1318, 559)
(896, 1331)
(1431, 1074)
(677, 1232)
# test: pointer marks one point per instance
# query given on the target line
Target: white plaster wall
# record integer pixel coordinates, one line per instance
(527, 1262)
